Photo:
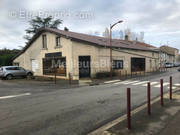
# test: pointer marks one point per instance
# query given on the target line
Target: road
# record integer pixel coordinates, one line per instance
(49, 110)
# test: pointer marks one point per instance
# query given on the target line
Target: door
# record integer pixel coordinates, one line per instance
(34, 65)
(84, 66)
(21, 71)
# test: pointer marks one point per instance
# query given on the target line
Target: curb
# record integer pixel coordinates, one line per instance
(103, 130)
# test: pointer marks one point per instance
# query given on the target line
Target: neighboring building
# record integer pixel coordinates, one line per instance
(83, 55)
(168, 55)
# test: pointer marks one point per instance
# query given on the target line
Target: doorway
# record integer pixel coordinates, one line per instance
(138, 64)
(84, 66)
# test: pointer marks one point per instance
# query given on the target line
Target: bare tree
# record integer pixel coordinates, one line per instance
(132, 35)
(106, 33)
(121, 34)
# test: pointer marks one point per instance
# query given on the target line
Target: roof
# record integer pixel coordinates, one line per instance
(168, 50)
(95, 40)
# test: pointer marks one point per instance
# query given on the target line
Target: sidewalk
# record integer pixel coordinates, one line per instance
(163, 120)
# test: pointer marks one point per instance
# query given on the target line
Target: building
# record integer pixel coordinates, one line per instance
(82, 55)
(168, 54)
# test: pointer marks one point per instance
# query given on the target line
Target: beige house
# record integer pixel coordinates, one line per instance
(81, 55)
(168, 54)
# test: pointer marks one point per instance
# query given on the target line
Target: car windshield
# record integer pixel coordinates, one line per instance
(20, 68)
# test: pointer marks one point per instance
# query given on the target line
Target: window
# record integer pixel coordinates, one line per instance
(50, 64)
(12, 68)
(138, 64)
(153, 54)
(20, 68)
(1, 69)
(44, 42)
(58, 44)
(16, 64)
(117, 64)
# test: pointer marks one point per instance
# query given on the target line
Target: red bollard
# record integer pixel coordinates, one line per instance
(149, 98)
(128, 108)
(162, 103)
(170, 91)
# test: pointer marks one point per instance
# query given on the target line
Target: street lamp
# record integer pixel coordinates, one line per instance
(111, 26)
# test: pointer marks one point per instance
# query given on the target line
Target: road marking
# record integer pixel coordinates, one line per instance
(159, 85)
(152, 83)
(122, 82)
(173, 88)
(140, 83)
(177, 84)
(130, 82)
(112, 81)
(13, 96)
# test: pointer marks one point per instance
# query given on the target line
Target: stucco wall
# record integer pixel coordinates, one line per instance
(73, 49)
(99, 54)
(36, 52)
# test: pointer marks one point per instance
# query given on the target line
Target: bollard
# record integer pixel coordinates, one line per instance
(170, 91)
(162, 103)
(70, 78)
(120, 75)
(128, 108)
(149, 98)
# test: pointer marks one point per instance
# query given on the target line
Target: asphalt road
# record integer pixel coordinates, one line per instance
(50, 110)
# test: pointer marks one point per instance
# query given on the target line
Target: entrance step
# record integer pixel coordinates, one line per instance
(84, 82)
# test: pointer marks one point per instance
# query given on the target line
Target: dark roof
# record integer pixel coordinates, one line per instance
(96, 40)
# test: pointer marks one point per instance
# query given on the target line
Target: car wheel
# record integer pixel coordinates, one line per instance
(9, 77)
(29, 75)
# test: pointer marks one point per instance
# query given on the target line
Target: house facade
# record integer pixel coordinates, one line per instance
(168, 54)
(80, 55)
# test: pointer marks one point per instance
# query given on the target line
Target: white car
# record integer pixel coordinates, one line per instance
(169, 65)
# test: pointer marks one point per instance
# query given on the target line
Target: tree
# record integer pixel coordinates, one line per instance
(132, 35)
(106, 33)
(121, 34)
(6, 56)
(38, 23)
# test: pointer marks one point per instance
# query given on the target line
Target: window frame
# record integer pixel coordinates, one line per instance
(58, 41)
(44, 41)
(117, 67)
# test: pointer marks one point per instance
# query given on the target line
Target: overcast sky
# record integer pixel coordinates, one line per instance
(159, 19)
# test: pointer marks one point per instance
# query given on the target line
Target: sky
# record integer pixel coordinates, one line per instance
(158, 19)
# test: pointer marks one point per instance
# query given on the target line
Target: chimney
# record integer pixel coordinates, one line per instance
(126, 37)
(66, 29)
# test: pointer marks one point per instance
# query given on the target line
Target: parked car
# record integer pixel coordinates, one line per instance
(179, 69)
(169, 65)
(176, 65)
(9, 72)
